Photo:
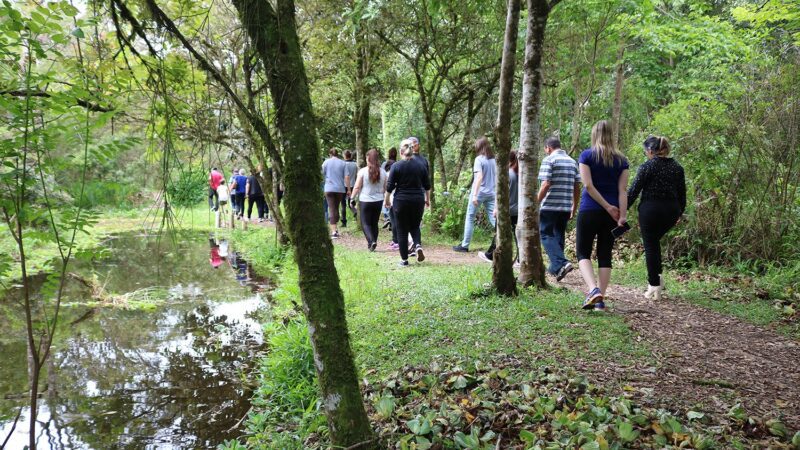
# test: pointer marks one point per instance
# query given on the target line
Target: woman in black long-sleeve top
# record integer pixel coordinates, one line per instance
(662, 185)
(411, 185)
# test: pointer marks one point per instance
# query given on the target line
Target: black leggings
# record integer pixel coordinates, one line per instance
(258, 200)
(370, 213)
(590, 225)
(409, 215)
(655, 220)
(393, 221)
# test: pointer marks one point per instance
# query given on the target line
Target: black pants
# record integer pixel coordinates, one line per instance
(393, 220)
(493, 247)
(213, 199)
(258, 200)
(590, 225)
(409, 215)
(239, 204)
(370, 214)
(345, 205)
(655, 220)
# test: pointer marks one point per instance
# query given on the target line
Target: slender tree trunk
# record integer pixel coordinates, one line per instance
(530, 249)
(431, 150)
(362, 99)
(442, 168)
(465, 141)
(577, 116)
(503, 264)
(274, 35)
(620, 79)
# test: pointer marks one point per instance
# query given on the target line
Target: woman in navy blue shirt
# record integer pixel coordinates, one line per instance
(604, 206)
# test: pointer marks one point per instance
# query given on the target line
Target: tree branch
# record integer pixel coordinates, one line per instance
(78, 101)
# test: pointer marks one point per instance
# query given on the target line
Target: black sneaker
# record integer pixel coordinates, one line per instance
(567, 268)
(335, 235)
(420, 254)
(373, 246)
(403, 264)
(458, 248)
(386, 225)
(483, 256)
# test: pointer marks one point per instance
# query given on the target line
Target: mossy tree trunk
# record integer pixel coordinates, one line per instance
(503, 264)
(530, 248)
(274, 35)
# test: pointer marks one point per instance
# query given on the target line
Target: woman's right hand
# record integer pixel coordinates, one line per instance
(613, 211)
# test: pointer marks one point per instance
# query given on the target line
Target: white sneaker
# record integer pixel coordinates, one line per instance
(653, 292)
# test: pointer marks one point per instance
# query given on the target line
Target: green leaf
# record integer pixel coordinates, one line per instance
(527, 437)
(626, 432)
(385, 406)
(419, 426)
(693, 415)
(796, 440)
(78, 33)
(777, 428)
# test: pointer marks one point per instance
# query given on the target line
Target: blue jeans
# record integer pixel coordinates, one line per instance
(552, 228)
(469, 225)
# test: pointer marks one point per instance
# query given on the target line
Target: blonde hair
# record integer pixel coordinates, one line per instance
(603, 144)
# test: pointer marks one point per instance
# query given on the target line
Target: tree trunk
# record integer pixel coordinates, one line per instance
(577, 116)
(431, 148)
(503, 264)
(530, 249)
(442, 168)
(620, 78)
(362, 99)
(274, 35)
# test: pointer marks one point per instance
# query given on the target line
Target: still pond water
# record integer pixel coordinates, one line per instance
(163, 377)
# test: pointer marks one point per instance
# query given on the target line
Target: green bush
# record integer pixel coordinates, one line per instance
(190, 189)
(450, 212)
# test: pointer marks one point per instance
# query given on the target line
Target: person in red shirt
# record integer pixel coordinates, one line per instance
(214, 179)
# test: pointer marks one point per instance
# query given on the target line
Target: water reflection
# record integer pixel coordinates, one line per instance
(164, 378)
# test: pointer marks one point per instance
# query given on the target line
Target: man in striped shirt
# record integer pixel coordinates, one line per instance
(558, 200)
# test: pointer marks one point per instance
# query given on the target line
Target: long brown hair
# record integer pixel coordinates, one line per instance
(373, 166)
(603, 144)
(482, 147)
(513, 163)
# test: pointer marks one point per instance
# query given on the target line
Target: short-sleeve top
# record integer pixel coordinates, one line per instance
(216, 177)
(488, 167)
(371, 192)
(351, 170)
(333, 172)
(604, 178)
(562, 173)
(241, 184)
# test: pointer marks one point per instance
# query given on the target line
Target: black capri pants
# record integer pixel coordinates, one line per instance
(590, 225)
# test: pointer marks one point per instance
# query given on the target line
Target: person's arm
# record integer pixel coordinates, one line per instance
(586, 176)
(544, 189)
(358, 186)
(426, 184)
(347, 183)
(623, 197)
(576, 199)
(247, 188)
(391, 184)
(475, 187)
(638, 184)
(682, 191)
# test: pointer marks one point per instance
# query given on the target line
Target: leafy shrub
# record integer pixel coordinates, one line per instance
(190, 189)
(450, 213)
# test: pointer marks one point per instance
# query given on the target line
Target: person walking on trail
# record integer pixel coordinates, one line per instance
(415, 149)
(662, 185)
(333, 172)
(390, 159)
(231, 181)
(604, 206)
(238, 189)
(214, 179)
(558, 199)
(388, 214)
(255, 195)
(350, 172)
(482, 192)
(222, 211)
(513, 189)
(370, 189)
(411, 185)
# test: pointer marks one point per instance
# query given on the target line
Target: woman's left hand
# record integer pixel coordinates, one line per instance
(622, 220)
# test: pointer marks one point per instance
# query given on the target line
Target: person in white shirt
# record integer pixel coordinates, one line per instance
(224, 197)
(369, 189)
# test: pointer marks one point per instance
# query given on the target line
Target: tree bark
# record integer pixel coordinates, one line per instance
(503, 264)
(577, 116)
(274, 35)
(530, 249)
(620, 78)
(362, 99)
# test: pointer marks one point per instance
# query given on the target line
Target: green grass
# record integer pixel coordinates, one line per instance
(399, 316)
(736, 292)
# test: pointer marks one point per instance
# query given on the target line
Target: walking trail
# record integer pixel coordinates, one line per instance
(703, 358)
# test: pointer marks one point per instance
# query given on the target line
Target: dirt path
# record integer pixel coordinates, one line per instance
(705, 360)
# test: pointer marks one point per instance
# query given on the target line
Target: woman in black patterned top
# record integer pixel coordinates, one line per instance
(662, 185)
